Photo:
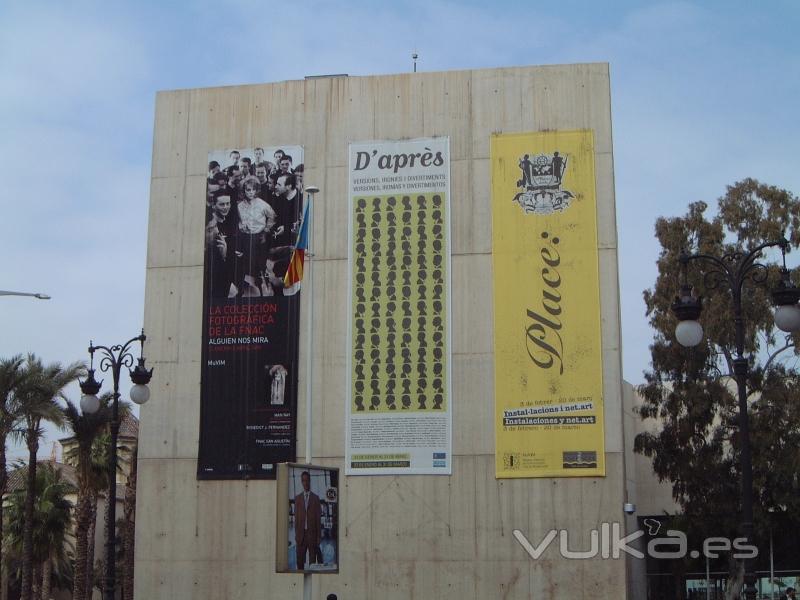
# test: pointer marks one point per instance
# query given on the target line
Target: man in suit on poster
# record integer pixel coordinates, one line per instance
(307, 523)
(221, 250)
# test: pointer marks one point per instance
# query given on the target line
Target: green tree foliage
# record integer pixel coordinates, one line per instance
(37, 400)
(691, 394)
(86, 430)
(50, 525)
(92, 432)
(12, 377)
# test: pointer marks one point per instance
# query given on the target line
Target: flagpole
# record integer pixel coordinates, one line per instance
(310, 190)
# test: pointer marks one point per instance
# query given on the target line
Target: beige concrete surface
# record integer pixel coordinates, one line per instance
(652, 497)
(401, 537)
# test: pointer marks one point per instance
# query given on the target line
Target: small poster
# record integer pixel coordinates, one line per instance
(307, 528)
(399, 408)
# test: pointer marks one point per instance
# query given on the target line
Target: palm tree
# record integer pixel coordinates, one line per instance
(50, 543)
(86, 429)
(90, 537)
(37, 399)
(11, 377)
(99, 483)
(51, 523)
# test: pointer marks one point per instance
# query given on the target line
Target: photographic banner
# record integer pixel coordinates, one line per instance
(248, 392)
(399, 411)
(547, 345)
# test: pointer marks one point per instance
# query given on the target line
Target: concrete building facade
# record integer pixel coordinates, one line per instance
(405, 536)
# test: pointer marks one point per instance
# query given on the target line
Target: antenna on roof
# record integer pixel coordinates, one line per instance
(414, 56)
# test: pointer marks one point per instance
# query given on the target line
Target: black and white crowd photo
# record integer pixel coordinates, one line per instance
(254, 201)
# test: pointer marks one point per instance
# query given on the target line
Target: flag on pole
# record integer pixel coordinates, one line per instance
(295, 271)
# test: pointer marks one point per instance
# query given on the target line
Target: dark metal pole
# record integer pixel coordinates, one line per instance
(740, 370)
(111, 533)
(736, 269)
(114, 358)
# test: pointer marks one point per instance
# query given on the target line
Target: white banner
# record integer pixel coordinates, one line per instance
(399, 412)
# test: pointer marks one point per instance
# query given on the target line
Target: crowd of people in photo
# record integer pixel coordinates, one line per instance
(253, 214)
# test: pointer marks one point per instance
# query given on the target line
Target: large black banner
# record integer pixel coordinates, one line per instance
(248, 412)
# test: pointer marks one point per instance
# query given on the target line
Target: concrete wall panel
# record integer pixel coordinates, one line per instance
(447, 109)
(194, 215)
(175, 394)
(189, 317)
(612, 349)
(330, 356)
(496, 106)
(315, 117)
(331, 217)
(473, 404)
(169, 144)
(572, 97)
(217, 120)
(472, 304)
(162, 303)
(606, 210)
(398, 107)
(351, 118)
(166, 217)
(470, 208)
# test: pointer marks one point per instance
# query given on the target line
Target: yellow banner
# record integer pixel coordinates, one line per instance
(547, 345)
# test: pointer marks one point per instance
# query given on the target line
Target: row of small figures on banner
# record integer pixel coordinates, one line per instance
(390, 204)
(391, 321)
(391, 259)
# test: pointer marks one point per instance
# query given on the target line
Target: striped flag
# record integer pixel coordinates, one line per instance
(295, 271)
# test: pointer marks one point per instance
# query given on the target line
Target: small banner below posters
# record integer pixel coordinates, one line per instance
(307, 527)
(248, 392)
(548, 355)
(399, 410)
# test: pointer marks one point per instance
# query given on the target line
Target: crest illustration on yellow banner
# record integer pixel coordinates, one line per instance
(547, 339)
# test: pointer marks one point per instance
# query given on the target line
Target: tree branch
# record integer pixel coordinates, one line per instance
(789, 344)
(728, 359)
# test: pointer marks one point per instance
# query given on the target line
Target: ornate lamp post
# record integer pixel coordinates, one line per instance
(734, 269)
(114, 358)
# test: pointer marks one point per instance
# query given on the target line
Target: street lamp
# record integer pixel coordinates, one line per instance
(114, 358)
(40, 296)
(734, 268)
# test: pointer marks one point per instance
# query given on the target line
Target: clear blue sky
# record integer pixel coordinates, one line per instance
(703, 95)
